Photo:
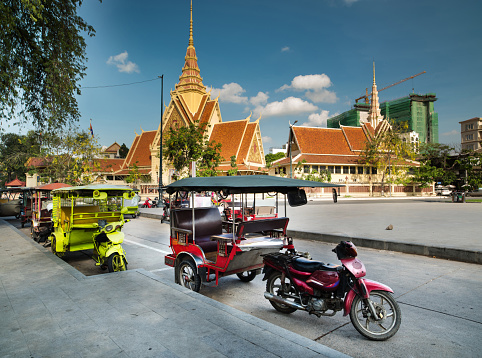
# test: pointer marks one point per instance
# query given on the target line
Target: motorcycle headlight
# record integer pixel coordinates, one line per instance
(109, 228)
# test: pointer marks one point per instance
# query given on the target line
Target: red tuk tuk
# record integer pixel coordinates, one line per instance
(201, 245)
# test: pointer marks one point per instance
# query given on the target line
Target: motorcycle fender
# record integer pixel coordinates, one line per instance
(115, 248)
(365, 285)
(116, 237)
(267, 272)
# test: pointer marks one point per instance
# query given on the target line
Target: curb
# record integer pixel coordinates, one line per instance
(448, 253)
(474, 257)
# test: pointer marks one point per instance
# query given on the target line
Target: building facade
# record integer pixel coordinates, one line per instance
(471, 134)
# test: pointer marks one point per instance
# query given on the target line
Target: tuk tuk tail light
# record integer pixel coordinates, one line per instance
(222, 249)
(182, 238)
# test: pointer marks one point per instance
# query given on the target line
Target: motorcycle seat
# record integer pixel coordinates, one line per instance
(305, 265)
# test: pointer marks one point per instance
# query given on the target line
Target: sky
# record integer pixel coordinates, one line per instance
(285, 61)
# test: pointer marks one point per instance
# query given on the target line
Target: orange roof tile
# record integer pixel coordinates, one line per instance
(207, 112)
(321, 140)
(355, 137)
(108, 165)
(245, 145)
(141, 152)
(230, 135)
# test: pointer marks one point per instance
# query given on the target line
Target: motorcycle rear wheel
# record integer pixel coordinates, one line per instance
(273, 286)
(116, 262)
(384, 305)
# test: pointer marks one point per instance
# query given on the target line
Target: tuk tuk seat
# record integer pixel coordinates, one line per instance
(265, 211)
(266, 225)
(207, 223)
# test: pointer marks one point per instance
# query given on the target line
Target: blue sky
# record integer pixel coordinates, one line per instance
(304, 60)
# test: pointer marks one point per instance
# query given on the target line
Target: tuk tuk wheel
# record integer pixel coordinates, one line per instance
(188, 276)
(247, 276)
(52, 246)
(116, 262)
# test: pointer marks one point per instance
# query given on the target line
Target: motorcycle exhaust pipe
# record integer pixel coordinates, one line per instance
(282, 301)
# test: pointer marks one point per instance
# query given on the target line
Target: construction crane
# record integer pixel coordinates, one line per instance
(366, 96)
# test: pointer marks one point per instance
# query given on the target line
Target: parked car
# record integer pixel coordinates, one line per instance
(475, 192)
(444, 190)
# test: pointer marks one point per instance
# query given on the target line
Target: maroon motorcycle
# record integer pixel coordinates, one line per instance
(296, 283)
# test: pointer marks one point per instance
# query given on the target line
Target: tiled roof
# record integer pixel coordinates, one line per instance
(230, 135)
(321, 140)
(207, 112)
(355, 137)
(245, 145)
(53, 186)
(201, 108)
(108, 165)
(15, 183)
(37, 162)
(113, 148)
(140, 150)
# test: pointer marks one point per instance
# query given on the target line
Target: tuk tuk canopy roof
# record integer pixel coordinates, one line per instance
(244, 184)
(87, 189)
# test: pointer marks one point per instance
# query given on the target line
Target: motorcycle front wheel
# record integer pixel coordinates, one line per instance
(386, 308)
(274, 286)
(116, 262)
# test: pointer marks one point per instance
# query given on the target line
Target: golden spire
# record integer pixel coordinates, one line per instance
(190, 78)
(373, 69)
(191, 41)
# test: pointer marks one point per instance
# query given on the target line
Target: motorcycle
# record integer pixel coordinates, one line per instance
(108, 252)
(149, 203)
(297, 283)
(166, 210)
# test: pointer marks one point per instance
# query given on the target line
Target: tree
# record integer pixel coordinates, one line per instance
(70, 157)
(41, 62)
(469, 165)
(270, 158)
(123, 150)
(435, 165)
(234, 167)
(15, 150)
(389, 154)
(190, 144)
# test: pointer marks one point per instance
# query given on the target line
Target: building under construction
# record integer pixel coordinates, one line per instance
(415, 109)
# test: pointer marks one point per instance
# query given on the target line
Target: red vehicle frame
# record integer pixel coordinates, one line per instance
(205, 248)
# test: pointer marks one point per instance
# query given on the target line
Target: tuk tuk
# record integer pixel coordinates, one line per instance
(10, 202)
(204, 245)
(41, 211)
(91, 218)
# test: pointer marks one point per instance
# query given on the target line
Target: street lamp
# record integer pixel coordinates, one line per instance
(290, 139)
(159, 203)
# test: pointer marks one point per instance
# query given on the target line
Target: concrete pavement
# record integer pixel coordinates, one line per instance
(433, 227)
(49, 309)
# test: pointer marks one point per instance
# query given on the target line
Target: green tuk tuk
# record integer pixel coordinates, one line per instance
(91, 217)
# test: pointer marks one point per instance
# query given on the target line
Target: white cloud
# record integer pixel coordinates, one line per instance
(267, 139)
(315, 87)
(122, 64)
(322, 96)
(452, 132)
(317, 119)
(260, 99)
(308, 82)
(349, 2)
(285, 49)
(231, 92)
(288, 106)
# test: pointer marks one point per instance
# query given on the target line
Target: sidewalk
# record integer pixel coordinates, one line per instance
(49, 309)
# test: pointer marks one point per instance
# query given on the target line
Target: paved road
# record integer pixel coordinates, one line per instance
(441, 313)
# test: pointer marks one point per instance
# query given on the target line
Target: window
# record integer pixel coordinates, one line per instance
(314, 168)
(352, 170)
(374, 170)
(331, 169)
(337, 169)
(367, 170)
(345, 170)
(360, 170)
(306, 169)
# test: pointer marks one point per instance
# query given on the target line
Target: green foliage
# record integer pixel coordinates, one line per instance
(187, 144)
(70, 157)
(123, 150)
(390, 155)
(324, 176)
(470, 167)
(234, 167)
(269, 158)
(435, 165)
(15, 150)
(41, 62)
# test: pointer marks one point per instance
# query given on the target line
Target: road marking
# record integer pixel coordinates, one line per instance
(163, 269)
(147, 247)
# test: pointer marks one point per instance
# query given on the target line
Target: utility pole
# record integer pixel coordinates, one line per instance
(159, 201)
(290, 140)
